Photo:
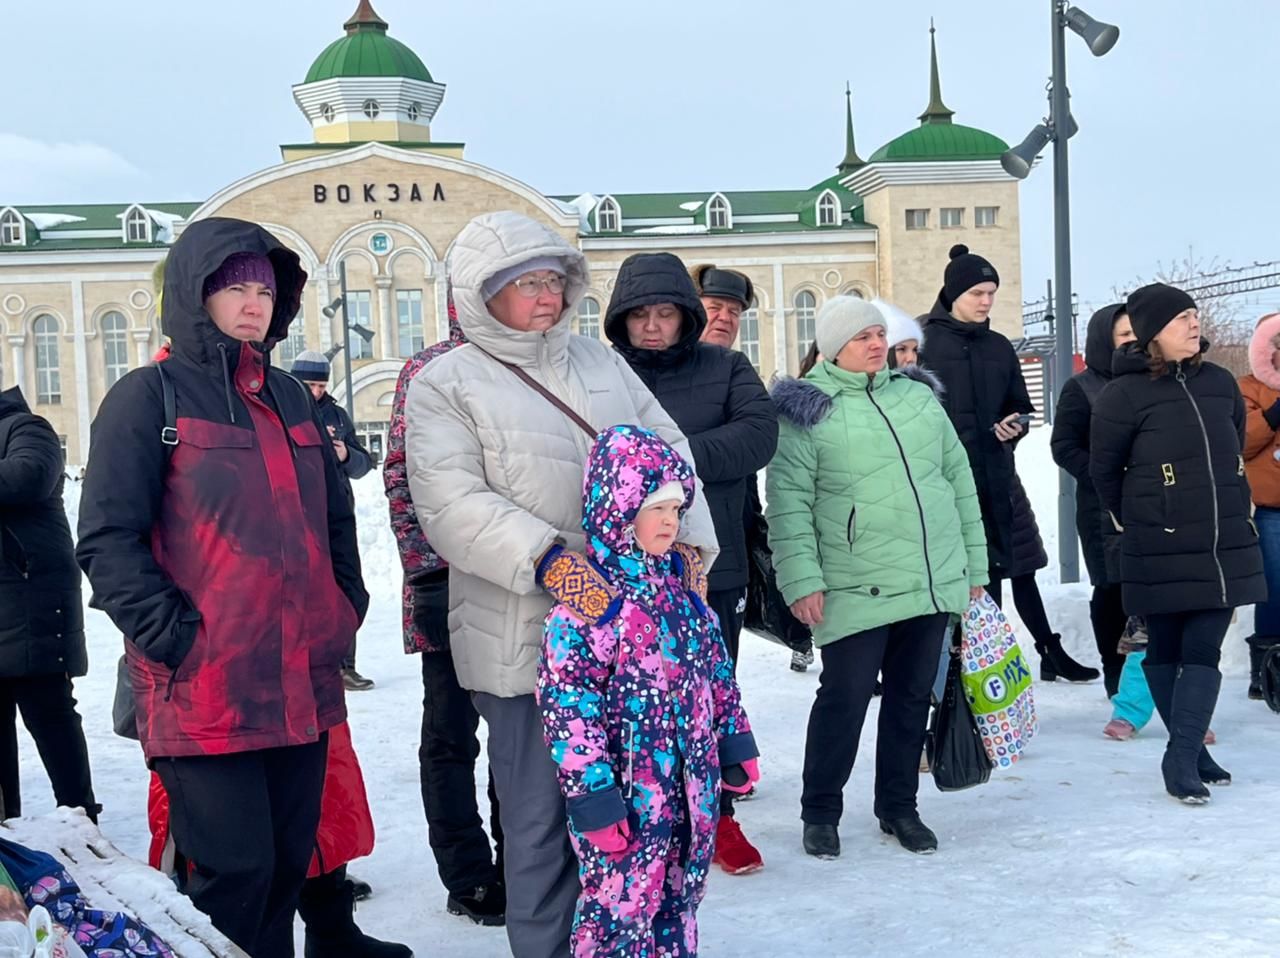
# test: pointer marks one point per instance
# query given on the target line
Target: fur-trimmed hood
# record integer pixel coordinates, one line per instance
(805, 404)
(1262, 347)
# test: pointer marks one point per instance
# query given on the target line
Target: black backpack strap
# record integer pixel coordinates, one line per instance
(169, 434)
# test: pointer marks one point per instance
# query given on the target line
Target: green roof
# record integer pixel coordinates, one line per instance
(742, 202)
(98, 216)
(940, 141)
(367, 51)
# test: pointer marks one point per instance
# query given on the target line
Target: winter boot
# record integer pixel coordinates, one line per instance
(1195, 693)
(1161, 680)
(353, 681)
(327, 909)
(733, 852)
(821, 841)
(486, 905)
(800, 661)
(1258, 647)
(360, 890)
(911, 833)
(1056, 664)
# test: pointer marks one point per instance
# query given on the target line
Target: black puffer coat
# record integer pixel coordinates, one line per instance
(714, 395)
(1165, 459)
(41, 621)
(1029, 556)
(984, 384)
(1070, 444)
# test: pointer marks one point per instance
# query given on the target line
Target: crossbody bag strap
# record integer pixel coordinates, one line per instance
(543, 392)
(169, 434)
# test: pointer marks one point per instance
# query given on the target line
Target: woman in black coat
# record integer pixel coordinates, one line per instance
(984, 396)
(1109, 329)
(1165, 456)
(41, 620)
(655, 319)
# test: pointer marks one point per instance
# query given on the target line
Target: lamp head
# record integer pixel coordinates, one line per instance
(1017, 162)
(1100, 37)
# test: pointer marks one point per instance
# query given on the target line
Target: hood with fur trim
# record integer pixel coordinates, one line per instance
(1262, 347)
(804, 404)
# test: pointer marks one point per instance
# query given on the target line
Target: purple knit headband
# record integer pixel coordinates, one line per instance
(240, 268)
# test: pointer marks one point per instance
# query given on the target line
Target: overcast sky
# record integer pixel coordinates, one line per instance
(1177, 150)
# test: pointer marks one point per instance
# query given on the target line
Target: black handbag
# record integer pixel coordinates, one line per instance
(124, 710)
(767, 612)
(957, 756)
(1271, 678)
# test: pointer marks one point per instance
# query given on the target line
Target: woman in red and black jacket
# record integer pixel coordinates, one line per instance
(229, 560)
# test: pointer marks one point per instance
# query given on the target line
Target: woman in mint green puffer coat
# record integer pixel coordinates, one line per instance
(877, 540)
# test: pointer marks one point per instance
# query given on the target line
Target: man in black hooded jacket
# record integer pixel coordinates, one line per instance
(41, 620)
(655, 320)
(1109, 329)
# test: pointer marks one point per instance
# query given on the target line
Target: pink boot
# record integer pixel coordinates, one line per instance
(1119, 730)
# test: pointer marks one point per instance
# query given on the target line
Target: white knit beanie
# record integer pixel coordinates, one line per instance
(842, 318)
(667, 492)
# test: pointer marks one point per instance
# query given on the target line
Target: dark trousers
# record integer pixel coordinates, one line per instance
(1187, 638)
(540, 867)
(1106, 613)
(905, 655)
(725, 604)
(447, 768)
(730, 608)
(49, 713)
(248, 823)
(1028, 602)
(447, 755)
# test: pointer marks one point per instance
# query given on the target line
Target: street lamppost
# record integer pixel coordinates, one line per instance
(1057, 128)
(330, 312)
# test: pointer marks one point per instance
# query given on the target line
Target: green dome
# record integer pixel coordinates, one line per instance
(940, 141)
(367, 53)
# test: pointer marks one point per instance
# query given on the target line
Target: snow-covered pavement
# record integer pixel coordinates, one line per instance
(1076, 851)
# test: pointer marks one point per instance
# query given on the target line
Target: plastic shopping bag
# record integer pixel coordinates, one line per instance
(997, 682)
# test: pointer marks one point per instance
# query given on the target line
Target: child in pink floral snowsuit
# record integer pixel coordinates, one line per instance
(639, 704)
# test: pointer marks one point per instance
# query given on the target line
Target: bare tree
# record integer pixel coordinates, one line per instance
(1221, 321)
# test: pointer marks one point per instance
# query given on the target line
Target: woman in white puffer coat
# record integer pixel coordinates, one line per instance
(495, 470)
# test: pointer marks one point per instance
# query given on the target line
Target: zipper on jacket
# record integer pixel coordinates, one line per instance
(631, 752)
(911, 481)
(853, 515)
(226, 382)
(1213, 480)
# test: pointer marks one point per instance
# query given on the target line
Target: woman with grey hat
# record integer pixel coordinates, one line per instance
(496, 444)
(1165, 457)
(877, 540)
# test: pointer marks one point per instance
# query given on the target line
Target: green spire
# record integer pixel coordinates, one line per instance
(936, 111)
(851, 159)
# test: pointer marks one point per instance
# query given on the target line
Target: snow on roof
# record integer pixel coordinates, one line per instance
(692, 207)
(673, 230)
(47, 221)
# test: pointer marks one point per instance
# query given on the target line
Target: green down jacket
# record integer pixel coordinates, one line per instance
(870, 500)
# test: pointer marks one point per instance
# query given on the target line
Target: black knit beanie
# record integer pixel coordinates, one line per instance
(965, 271)
(1153, 307)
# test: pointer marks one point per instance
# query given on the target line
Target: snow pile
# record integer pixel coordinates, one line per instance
(692, 206)
(673, 230)
(112, 881)
(47, 221)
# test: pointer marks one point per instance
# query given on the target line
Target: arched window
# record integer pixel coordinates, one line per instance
(589, 318)
(326, 112)
(806, 310)
(137, 226)
(12, 229)
(414, 111)
(749, 333)
(115, 345)
(607, 215)
(719, 216)
(371, 109)
(48, 370)
(828, 210)
(294, 343)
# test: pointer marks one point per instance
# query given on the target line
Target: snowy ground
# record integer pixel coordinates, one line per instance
(1077, 851)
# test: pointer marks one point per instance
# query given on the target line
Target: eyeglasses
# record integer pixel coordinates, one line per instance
(530, 286)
